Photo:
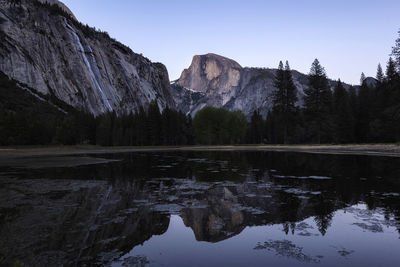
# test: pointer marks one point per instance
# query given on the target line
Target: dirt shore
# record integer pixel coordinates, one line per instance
(391, 150)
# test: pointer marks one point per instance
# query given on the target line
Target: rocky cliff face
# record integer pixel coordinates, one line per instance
(213, 80)
(76, 223)
(47, 49)
(60, 4)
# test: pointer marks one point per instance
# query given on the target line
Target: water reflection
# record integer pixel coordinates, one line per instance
(253, 206)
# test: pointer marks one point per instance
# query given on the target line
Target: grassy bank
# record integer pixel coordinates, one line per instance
(354, 149)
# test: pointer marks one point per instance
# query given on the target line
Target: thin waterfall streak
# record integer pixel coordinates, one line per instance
(92, 75)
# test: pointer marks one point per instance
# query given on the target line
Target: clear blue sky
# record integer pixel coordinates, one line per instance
(347, 36)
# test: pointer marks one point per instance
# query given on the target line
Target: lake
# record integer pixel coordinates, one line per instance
(200, 209)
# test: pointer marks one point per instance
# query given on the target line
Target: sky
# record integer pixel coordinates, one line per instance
(347, 36)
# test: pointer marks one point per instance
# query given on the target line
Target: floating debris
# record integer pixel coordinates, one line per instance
(136, 261)
(286, 248)
(345, 253)
(375, 228)
(302, 177)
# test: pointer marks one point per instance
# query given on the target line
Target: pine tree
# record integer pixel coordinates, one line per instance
(396, 51)
(391, 73)
(256, 128)
(189, 130)
(285, 99)
(104, 129)
(279, 94)
(343, 117)
(218, 126)
(269, 128)
(141, 130)
(353, 102)
(362, 79)
(318, 102)
(167, 127)
(364, 114)
(379, 74)
(154, 124)
(390, 108)
(290, 102)
(291, 89)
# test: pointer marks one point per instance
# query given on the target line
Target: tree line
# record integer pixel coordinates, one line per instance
(363, 114)
(30, 118)
(217, 126)
(368, 113)
(144, 128)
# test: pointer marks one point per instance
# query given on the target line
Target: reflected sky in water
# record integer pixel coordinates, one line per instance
(303, 245)
(202, 209)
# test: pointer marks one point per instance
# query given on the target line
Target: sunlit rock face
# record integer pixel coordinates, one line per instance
(214, 77)
(55, 55)
(213, 80)
(211, 74)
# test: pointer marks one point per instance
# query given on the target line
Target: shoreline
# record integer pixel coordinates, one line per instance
(388, 150)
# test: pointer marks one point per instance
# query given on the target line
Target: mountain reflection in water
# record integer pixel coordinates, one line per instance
(248, 208)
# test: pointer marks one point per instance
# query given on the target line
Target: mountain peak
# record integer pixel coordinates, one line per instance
(370, 82)
(218, 58)
(217, 81)
(210, 72)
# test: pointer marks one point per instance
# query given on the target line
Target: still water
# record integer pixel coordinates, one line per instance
(201, 209)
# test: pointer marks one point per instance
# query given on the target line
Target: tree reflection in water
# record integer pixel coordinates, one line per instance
(70, 216)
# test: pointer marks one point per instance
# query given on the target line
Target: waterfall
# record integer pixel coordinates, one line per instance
(89, 67)
(103, 201)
